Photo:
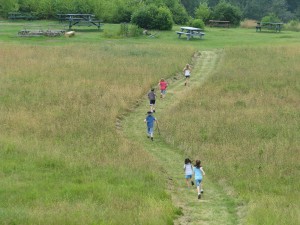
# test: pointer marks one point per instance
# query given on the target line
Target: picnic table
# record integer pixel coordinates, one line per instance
(20, 15)
(38, 31)
(219, 23)
(269, 25)
(80, 19)
(190, 32)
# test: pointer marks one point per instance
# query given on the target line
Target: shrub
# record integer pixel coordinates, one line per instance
(180, 15)
(293, 25)
(7, 6)
(152, 17)
(228, 12)
(270, 18)
(203, 12)
(163, 19)
(135, 31)
(124, 31)
(123, 13)
(142, 17)
(198, 23)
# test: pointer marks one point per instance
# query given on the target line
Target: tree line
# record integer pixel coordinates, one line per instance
(180, 11)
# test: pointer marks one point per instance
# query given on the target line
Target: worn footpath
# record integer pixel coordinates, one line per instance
(215, 206)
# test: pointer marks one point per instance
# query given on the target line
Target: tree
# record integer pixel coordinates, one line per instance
(7, 6)
(153, 17)
(179, 14)
(190, 6)
(203, 12)
(228, 12)
(280, 8)
(163, 20)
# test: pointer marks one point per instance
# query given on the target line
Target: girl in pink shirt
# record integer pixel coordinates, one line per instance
(163, 86)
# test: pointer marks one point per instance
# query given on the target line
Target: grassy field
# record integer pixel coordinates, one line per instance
(62, 160)
(244, 124)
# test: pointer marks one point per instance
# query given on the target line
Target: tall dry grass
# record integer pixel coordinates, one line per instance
(244, 126)
(247, 23)
(62, 160)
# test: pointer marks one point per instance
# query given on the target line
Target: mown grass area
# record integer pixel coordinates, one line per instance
(62, 160)
(244, 125)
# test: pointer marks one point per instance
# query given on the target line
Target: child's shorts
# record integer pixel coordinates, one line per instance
(198, 182)
(152, 102)
(149, 130)
(163, 92)
(188, 176)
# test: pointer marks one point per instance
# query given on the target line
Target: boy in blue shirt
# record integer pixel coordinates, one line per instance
(150, 124)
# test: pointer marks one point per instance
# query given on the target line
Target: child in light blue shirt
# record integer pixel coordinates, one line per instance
(199, 173)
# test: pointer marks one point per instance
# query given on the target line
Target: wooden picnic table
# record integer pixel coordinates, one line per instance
(190, 32)
(80, 19)
(269, 25)
(219, 23)
(20, 15)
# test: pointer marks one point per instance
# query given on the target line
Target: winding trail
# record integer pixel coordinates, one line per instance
(215, 207)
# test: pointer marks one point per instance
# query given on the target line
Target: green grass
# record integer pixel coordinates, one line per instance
(62, 160)
(244, 124)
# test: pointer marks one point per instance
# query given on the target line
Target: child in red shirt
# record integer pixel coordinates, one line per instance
(163, 87)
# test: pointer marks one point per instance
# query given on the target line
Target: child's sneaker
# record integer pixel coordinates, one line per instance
(202, 191)
(151, 138)
(192, 182)
(199, 196)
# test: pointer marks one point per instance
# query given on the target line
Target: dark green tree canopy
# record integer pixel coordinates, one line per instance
(121, 10)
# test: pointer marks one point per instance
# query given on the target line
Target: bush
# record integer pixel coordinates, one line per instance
(198, 23)
(270, 18)
(123, 13)
(203, 12)
(152, 17)
(226, 11)
(135, 31)
(293, 25)
(163, 19)
(7, 6)
(180, 15)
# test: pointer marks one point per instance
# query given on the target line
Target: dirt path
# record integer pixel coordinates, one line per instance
(215, 207)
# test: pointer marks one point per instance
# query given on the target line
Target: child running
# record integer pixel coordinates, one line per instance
(152, 97)
(163, 87)
(188, 170)
(150, 124)
(187, 74)
(199, 173)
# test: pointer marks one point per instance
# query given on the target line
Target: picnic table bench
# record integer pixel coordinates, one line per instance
(80, 20)
(20, 15)
(269, 25)
(219, 23)
(190, 32)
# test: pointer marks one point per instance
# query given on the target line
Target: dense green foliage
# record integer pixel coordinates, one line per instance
(117, 11)
(197, 23)
(153, 17)
(226, 11)
(270, 18)
(203, 12)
